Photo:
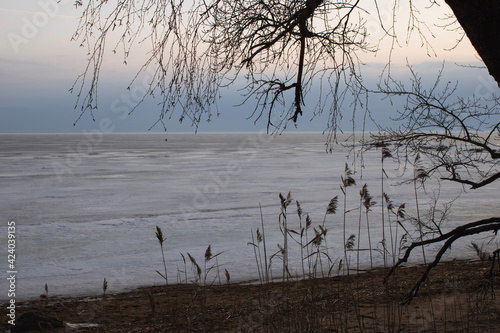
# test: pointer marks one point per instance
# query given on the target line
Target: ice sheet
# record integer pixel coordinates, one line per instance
(86, 207)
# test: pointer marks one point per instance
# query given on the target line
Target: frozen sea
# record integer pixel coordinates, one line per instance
(86, 206)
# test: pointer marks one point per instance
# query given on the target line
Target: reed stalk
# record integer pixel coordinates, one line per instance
(330, 209)
(264, 244)
(283, 222)
(301, 237)
(399, 214)
(208, 257)
(419, 175)
(308, 225)
(368, 203)
(254, 245)
(347, 180)
(390, 207)
(361, 196)
(161, 240)
(386, 153)
(185, 268)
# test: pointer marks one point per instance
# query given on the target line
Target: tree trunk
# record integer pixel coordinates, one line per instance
(479, 19)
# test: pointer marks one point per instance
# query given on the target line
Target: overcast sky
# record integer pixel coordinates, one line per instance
(39, 64)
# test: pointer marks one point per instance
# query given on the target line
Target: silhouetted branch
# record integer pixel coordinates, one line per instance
(490, 224)
(201, 47)
(475, 185)
(457, 136)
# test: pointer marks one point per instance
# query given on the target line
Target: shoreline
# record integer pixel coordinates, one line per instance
(345, 302)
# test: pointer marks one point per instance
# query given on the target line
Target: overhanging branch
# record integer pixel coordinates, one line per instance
(490, 224)
(475, 185)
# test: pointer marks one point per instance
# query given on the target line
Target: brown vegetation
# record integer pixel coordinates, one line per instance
(458, 296)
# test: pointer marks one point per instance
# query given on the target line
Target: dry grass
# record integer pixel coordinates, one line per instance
(458, 297)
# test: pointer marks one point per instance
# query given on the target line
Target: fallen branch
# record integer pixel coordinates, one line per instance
(490, 224)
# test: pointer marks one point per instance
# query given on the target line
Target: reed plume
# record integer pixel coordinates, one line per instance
(104, 287)
(350, 242)
(196, 267)
(332, 205)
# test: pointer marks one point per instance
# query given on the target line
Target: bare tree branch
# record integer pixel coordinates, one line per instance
(458, 137)
(200, 48)
(475, 185)
(490, 224)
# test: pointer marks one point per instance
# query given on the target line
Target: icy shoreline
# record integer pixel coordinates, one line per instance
(97, 219)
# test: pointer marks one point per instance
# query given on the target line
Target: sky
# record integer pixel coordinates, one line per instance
(39, 64)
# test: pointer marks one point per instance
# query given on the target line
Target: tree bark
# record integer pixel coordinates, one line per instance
(479, 19)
